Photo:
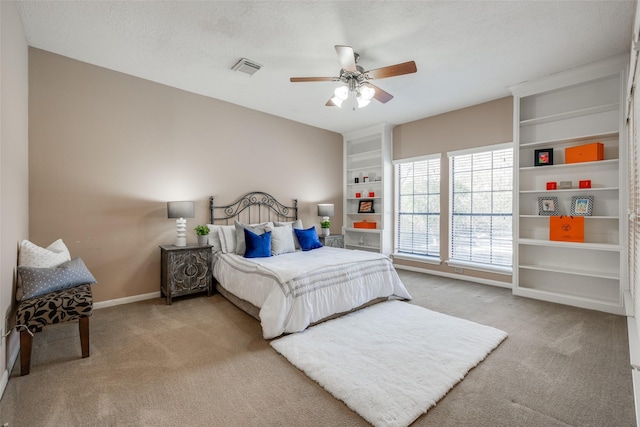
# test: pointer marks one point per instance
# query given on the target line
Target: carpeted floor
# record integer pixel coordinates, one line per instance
(203, 362)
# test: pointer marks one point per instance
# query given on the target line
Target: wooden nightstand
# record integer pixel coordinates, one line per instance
(185, 270)
(333, 240)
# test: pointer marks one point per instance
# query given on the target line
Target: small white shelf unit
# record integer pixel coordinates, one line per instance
(367, 153)
(567, 109)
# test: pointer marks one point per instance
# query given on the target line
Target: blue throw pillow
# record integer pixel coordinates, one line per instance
(308, 239)
(40, 281)
(257, 245)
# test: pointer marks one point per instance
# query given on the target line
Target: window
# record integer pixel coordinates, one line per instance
(481, 212)
(417, 210)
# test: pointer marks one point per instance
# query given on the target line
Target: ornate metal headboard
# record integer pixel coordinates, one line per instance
(251, 208)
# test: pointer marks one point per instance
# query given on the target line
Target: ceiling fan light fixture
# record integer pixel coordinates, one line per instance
(341, 92)
(362, 101)
(367, 92)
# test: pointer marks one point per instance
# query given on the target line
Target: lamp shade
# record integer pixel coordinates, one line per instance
(181, 210)
(325, 209)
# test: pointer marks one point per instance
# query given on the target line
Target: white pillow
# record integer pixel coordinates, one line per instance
(297, 224)
(32, 255)
(282, 241)
(214, 236)
(227, 236)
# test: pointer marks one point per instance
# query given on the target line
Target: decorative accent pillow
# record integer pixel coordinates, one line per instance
(308, 238)
(257, 245)
(32, 255)
(297, 224)
(282, 241)
(39, 281)
(240, 227)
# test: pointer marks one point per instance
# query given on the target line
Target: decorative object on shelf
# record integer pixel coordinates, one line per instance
(365, 224)
(585, 183)
(356, 180)
(552, 185)
(358, 195)
(581, 205)
(584, 153)
(548, 206)
(372, 176)
(566, 228)
(565, 185)
(365, 206)
(543, 157)
(365, 179)
(180, 211)
(203, 234)
(325, 210)
(372, 194)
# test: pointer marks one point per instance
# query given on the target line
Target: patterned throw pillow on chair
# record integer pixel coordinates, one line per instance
(40, 281)
(32, 255)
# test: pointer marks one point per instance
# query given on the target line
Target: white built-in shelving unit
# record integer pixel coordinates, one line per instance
(367, 153)
(567, 109)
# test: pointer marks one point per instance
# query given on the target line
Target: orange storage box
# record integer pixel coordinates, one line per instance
(584, 153)
(364, 224)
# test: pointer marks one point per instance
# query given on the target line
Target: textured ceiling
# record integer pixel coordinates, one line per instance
(466, 52)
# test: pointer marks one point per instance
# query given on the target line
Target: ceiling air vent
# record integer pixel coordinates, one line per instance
(246, 66)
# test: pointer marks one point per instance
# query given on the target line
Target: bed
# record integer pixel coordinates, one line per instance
(299, 283)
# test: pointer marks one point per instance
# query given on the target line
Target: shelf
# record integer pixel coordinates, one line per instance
(586, 217)
(570, 190)
(371, 153)
(362, 247)
(363, 230)
(575, 272)
(570, 165)
(570, 114)
(572, 245)
(571, 140)
(362, 184)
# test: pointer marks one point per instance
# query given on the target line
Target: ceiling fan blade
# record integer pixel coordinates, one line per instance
(392, 70)
(312, 79)
(330, 103)
(347, 58)
(380, 95)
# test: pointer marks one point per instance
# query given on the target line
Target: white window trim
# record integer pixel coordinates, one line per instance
(466, 264)
(418, 258)
(482, 149)
(417, 159)
(411, 257)
(480, 267)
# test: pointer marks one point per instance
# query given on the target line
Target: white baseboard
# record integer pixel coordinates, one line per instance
(125, 300)
(455, 276)
(13, 357)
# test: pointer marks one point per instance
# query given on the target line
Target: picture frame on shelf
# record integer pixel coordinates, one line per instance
(581, 206)
(543, 157)
(365, 206)
(548, 206)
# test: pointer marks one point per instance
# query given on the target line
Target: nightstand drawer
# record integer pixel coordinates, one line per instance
(333, 241)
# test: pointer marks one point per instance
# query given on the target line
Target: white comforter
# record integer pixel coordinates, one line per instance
(296, 289)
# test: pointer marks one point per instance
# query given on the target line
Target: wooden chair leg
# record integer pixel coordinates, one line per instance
(83, 326)
(26, 342)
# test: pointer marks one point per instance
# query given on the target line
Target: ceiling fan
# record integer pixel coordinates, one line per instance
(357, 79)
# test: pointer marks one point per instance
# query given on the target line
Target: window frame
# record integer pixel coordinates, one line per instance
(471, 263)
(413, 256)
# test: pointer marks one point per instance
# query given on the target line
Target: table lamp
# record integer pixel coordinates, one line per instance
(180, 211)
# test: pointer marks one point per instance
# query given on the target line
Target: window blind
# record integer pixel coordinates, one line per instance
(481, 212)
(417, 213)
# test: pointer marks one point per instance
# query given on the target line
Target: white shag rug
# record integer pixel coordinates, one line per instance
(392, 361)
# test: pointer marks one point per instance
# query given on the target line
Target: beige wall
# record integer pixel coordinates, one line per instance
(484, 124)
(14, 175)
(108, 150)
